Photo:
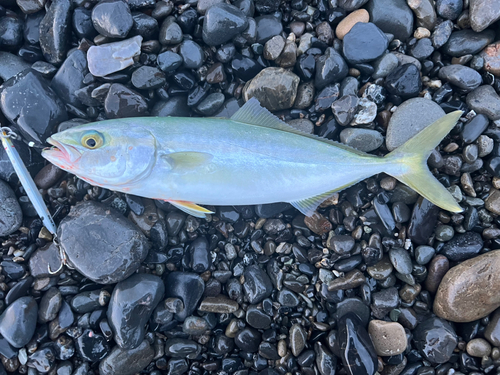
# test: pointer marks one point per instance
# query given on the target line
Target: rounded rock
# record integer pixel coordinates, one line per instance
(389, 338)
(464, 294)
(344, 26)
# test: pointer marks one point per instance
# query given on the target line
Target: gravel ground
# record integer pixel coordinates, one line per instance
(378, 280)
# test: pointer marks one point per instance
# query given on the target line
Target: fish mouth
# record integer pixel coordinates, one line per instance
(60, 152)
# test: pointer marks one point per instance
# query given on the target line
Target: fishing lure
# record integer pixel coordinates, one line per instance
(25, 178)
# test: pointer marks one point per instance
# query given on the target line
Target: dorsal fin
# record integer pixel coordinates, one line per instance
(254, 114)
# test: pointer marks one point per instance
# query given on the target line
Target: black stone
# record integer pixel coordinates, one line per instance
(188, 287)
(474, 128)
(11, 32)
(222, 23)
(365, 42)
(435, 339)
(112, 18)
(330, 68)
(18, 321)
(398, 22)
(130, 307)
(28, 102)
(248, 340)
(355, 347)
(467, 41)
(122, 102)
(113, 246)
(257, 284)
(463, 246)
(91, 346)
(55, 31)
(82, 23)
(267, 27)
(69, 78)
(404, 81)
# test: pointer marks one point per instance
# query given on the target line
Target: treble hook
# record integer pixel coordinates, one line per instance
(62, 255)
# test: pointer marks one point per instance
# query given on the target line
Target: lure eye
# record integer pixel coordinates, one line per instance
(92, 140)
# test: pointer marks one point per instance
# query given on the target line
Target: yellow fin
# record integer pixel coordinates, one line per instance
(413, 156)
(190, 208)
(188, 159)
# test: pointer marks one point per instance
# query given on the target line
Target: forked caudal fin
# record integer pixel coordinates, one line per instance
(412, 157)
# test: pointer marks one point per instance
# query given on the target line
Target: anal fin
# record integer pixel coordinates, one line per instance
(191, 208)
(309, 205)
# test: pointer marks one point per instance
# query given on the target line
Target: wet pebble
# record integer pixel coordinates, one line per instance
(55, 31)
(11, 215)
(188, 287)
(461, 76)
(404, 81)
(222, 23)
(18, 321)
(127, 362)
(112, 18)
(463, 294)
(435, 339)
(365, 42)
(485, 100)
(113, 57)
(118, 245)
(131, 304)
(389, 338)
(148, 77)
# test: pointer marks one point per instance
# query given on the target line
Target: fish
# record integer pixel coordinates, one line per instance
(251, 158)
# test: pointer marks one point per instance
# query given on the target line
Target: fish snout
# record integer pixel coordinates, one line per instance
(60, 152)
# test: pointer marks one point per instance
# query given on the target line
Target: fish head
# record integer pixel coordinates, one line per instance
(108, 154)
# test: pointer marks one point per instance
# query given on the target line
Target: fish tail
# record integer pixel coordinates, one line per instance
(408, 163)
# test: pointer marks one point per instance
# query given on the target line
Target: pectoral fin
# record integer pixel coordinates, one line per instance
(191, 208)
(188, 159)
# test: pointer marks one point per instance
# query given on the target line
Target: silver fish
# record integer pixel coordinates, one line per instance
(251, 158)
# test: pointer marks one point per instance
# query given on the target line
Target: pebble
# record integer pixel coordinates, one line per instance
(116, 243)
(112, 18)
(463, 246)
(27, 96)
(478, 347)
(50, 305)
(170, 32)
(257, 284)
(449, 9)
(11, 215)
(219, 305)
(274, 47)
(389, 338)
(483, 13)
(10, 65)
(351, 279)
(122, 102)
(409, 119)
(297, 338)
(344, 26)
(192, 54)
(492, 331)
(384, 301)
(442, 33)
(465, 42)
(463, 294)
(384, 65)
(69, 78)
(491, 56)
(355, 346)
(398, 22)
(55, 31)
(330, 67)
(267, 26)
(425, 12)
(113, 57)
(127, 362)
(365, 140)
(18, 321)
(404, 81)
(435, 339)
(275, 88)
(248, 340)
(463, 77)
(365, 42)
(401, 260)
(325, 361)
(485, 100)
(474, 128)
(131, 304)
(186, 286)
(147, 77)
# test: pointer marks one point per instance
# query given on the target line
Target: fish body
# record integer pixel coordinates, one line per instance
(252, 158)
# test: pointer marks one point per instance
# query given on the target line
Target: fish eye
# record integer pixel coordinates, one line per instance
(92, 140)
